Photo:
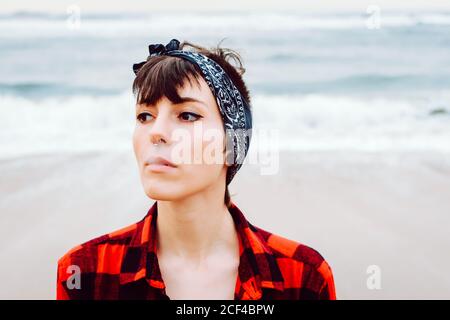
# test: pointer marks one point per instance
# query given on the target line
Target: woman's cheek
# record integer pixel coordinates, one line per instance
(138, 144)
(213, 147)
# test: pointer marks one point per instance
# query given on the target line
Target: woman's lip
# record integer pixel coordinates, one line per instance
(154, 167)
(159, 160)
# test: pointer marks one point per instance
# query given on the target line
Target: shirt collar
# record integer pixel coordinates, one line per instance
(258, 267)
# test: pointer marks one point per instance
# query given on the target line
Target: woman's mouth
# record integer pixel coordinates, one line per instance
(160, 167)
(159, 164)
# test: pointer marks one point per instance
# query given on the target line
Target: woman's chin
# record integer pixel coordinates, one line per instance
(158, 190)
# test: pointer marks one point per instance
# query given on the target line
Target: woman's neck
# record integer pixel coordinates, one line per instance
(195, 228)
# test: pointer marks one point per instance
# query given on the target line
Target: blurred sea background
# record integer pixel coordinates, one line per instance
(326, 81)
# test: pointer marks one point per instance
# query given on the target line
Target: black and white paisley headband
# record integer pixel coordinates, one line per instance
(234, 109)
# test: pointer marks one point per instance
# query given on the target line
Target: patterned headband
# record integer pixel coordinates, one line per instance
(234, 109)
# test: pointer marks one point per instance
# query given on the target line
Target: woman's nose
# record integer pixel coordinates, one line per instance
(157, 140)
(160, 130)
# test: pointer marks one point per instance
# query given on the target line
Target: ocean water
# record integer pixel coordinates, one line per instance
(322, 82)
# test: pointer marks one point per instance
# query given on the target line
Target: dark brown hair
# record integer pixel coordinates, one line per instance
(164, 75)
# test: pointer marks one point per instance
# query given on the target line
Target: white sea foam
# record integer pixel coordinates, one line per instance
(208, 23)
(315, 122)
(350, 87)
(59, 124)
(309, 123)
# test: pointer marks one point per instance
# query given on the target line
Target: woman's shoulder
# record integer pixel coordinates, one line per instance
(295, 255)
(86, 253)
(287, 248)
(87, 263)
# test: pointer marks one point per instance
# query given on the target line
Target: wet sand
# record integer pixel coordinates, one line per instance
(391, 210)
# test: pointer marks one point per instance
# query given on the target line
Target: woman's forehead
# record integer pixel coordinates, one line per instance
(198, 92)
(197, 88)
(194, 93)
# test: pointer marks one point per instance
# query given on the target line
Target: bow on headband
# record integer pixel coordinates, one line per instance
(156, 50)
(234, 109)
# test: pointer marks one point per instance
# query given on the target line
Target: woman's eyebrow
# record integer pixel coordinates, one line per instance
(182, 100)
(190, 99)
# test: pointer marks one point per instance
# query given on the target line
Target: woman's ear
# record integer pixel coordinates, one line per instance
(228, 150)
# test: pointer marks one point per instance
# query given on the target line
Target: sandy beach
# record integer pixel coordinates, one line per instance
(357, 209)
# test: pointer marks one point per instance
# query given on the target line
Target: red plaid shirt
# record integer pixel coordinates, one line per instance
(123, 265)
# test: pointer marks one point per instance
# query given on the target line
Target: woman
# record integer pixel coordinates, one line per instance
(193, 130)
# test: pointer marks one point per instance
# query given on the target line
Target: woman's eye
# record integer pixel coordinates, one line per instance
(143, 117)
(189, 116)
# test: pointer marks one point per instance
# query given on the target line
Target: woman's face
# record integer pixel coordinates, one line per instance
(189, 134)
